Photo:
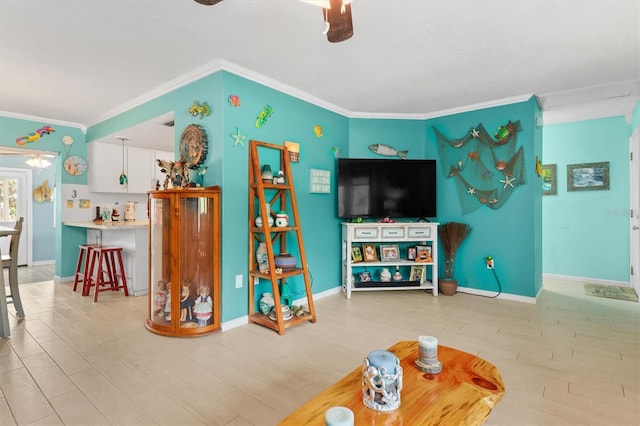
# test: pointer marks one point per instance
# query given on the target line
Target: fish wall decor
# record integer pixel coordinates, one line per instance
(387, 151)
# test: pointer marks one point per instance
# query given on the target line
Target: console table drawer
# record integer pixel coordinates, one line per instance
(365, 233)
(393, 233)
(419, 232)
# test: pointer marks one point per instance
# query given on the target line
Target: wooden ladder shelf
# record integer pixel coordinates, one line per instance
(281, 196)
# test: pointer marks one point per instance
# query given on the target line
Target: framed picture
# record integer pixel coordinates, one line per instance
(588, 176)
(411, 253)
(364, 276)
(423, 254)
(370, 254)
(356, 254)
(389, 252)
(417, 274)
(549, 180)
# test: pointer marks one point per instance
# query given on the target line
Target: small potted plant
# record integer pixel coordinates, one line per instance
(452, 234)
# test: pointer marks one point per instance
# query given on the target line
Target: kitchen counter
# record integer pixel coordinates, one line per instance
(133, 237)
(134, 224)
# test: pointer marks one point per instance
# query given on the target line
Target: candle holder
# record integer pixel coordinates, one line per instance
(339, 416)
(381, 381)
(427, 361)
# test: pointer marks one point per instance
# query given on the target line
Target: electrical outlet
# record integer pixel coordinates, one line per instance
(239, 281)
(490, 262)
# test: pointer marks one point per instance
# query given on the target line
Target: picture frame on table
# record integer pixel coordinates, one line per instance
(423, 254)
(389, 252)
(365, 276)
(418, 273)
(412, 252)
(369, 253)
(356, 254)
(588, 176)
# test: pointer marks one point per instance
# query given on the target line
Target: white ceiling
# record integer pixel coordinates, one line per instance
(81, 61)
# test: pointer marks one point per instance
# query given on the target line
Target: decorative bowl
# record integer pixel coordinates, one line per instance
(286, 313)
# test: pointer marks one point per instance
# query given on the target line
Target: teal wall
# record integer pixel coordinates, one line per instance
(48, 241)
(509, 234)
(402, 135)
(513, 234)
(586, 233)
(43, 228)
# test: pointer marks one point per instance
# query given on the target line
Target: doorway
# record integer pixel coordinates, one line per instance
(634, 200)
(15, 201)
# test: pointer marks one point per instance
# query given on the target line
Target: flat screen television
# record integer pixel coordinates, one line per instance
(378, 188)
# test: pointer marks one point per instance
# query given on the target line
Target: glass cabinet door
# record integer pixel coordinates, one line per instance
(160, 271)
(196, 261)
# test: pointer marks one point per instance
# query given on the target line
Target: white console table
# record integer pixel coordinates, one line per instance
(400, 234)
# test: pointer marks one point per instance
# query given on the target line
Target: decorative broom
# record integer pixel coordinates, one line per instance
(452, 234)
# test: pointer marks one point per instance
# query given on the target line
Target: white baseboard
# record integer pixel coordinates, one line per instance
(505, 296)
(43, 262)
(586, 280)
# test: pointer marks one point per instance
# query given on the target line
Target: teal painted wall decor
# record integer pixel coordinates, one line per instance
(513, 234)
(586, 233)
(47, 237)
(507, 234)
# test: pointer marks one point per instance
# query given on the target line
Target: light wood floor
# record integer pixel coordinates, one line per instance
(567, 360)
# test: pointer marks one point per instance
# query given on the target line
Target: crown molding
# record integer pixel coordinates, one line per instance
(43, 120)
(224, 65)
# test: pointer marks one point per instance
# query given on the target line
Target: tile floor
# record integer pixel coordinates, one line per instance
(567, 360)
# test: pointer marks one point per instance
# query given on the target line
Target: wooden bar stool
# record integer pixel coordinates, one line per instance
(110, 268)
(82, 268)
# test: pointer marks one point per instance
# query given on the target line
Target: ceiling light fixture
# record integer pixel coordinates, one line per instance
(123, 179)
(37, 162)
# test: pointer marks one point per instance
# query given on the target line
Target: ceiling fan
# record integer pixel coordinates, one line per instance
(36, 159)
(336, 14)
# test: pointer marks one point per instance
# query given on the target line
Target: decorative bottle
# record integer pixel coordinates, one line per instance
(261, 258)
(266, 303)
(397, 276)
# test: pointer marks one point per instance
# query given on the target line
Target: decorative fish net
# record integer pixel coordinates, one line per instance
(486, 169)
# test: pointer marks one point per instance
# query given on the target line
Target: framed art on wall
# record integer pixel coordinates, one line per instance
(549, 179)
(588, 176)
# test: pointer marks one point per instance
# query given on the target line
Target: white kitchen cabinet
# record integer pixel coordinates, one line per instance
(106, 165)
(140, 164)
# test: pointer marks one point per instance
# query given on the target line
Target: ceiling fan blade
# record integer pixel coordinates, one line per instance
(341, 24)
(208, 2)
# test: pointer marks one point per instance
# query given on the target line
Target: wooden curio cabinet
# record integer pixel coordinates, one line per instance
(184, 261)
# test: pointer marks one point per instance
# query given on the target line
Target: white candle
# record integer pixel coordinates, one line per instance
(339, 416)
(428, 348)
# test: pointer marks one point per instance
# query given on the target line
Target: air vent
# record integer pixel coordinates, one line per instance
(169, 123)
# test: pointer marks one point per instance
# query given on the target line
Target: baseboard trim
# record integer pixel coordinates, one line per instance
(587, 280)
(503, 296)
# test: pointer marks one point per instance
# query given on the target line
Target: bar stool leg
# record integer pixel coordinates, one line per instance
(123, 277)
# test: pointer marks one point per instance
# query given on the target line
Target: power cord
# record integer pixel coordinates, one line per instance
(490, 264)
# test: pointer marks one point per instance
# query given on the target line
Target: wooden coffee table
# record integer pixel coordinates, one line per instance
(462, 394)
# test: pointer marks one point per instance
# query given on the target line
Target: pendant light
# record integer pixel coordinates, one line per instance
(123, 176)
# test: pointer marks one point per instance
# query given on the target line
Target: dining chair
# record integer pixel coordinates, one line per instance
(10, 261)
